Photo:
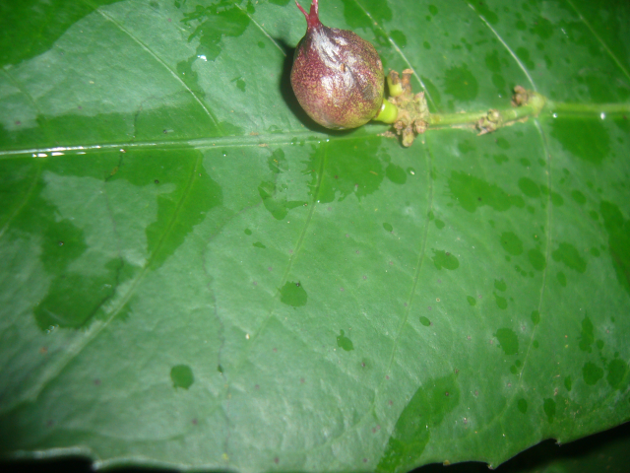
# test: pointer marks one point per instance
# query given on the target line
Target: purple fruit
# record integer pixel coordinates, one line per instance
(337, 76)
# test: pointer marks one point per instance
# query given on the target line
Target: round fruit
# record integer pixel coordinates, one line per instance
(337, 76)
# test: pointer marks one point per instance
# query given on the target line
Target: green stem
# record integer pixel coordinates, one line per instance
(582, 109)
(511, 115)
(409, 113)
(388, 112)
(441, 120)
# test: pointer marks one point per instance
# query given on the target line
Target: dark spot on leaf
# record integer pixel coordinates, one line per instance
(443, 259)
(500, 285)
(569, 255)
(529, 187)
(537, 259)
(592, 373)
(293, 294)
(567, 383)
(617, 370)
(507, 340)
(549, 407)
(588, 142)
(618, 229)
(396, 174)
(511, 243)
(535, 317)
(344, 342)
(429, 405)
(469, 191)
(182, 376)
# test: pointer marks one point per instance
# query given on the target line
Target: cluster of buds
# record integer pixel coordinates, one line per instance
(492, 121)
(413, 111)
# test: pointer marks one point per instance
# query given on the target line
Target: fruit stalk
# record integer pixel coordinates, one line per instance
(414, 118)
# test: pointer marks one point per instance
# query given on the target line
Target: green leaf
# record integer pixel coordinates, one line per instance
(195, 275)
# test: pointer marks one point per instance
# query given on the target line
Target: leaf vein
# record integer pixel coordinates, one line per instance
(601, 41)
(263, 30)
(506, 46)
(148, 50)
(97, 327)
(400, 53)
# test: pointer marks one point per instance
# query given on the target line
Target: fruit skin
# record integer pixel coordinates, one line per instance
(337, 76)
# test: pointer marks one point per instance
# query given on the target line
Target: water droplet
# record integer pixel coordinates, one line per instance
(51, 329)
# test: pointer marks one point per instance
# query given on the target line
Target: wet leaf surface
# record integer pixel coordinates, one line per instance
(196, 276)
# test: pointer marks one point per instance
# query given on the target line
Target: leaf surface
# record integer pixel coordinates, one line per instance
(196, 275)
